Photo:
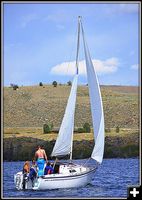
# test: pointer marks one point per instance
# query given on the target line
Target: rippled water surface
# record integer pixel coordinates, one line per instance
(112, 179)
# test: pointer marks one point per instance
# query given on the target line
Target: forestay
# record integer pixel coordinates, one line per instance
(96, 105)
(63, 145)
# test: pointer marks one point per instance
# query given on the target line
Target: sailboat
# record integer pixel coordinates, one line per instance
(69, 174)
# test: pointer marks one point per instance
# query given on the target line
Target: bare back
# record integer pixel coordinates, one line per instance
(40, 153)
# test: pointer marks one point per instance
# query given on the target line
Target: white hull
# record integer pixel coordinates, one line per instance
(61, 181)
(78, 177)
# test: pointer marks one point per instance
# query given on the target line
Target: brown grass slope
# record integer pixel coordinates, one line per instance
(32, 106)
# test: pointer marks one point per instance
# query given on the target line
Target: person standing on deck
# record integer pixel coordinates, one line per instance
(40, 157)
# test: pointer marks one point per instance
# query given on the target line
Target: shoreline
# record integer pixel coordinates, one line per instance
(17, 148)
(20, 144)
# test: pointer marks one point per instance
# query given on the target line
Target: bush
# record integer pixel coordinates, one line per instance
(15, 87)
(117, 129)
(107, 130)
(69, 83)
(47, 128)
(80, 130)
(54, 83)
(87, 128)
(40, 84)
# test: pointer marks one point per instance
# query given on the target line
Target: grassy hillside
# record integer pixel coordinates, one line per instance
(32, 106)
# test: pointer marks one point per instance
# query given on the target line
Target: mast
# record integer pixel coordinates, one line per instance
(78, 42)
(77, 64)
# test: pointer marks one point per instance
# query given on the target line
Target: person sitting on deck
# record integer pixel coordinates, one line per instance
(26, 170)
(33, 170)
(41, 156)
(48, 169)
(26, 167)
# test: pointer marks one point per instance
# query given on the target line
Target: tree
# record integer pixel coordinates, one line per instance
(14, 86)
(107, 130)
(69, 83)
(80, 130)
(47, 128)
(54, 83)
(117, 129)
(40, 84)
(87, 128)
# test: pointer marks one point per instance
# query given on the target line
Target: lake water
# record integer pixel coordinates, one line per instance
(112, 179)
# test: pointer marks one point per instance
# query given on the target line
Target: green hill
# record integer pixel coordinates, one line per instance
(32, 106)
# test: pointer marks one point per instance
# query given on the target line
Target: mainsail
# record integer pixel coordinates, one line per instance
(96, 105)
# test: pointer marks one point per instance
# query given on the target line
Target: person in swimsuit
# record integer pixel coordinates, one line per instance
(40, 157)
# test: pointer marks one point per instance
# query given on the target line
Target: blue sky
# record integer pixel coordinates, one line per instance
(39, 42)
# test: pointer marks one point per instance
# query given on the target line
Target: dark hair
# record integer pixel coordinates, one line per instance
(48, 163)
(40, 146)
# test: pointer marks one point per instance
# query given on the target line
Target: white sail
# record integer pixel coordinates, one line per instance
(63, 145)
(96, 106)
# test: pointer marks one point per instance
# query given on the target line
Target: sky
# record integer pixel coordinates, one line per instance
(40, 41)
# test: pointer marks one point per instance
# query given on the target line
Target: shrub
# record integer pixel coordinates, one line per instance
(87, 128)
(80, 130)
(107, 130)
(117, 129)
(54, 83)
(47, 128)
(40, 84)
(69, 83)
(15, 87)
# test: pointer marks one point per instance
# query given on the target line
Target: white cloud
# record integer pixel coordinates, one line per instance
(135, 66)
(102, 67)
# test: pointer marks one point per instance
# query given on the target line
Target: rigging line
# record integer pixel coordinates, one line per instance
(86, 161)
(55, 162)
(71, 55)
